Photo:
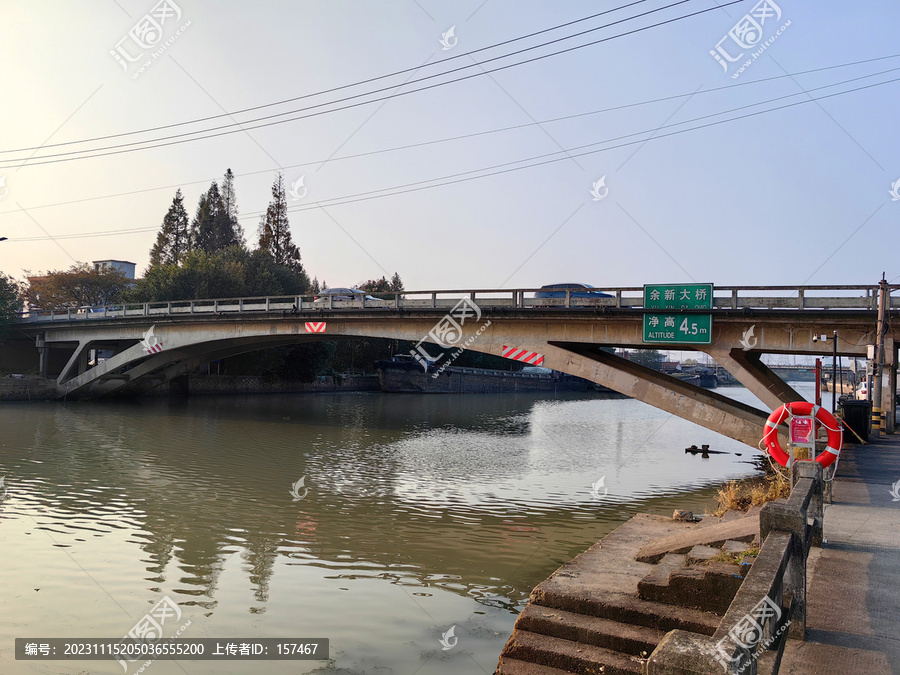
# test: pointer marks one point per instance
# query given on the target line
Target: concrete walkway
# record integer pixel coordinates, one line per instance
(854, 581)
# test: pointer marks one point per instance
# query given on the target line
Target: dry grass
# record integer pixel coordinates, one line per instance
(735, 557)
(741, 495)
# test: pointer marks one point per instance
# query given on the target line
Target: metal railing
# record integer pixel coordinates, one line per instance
(770, 605)
(603, 299)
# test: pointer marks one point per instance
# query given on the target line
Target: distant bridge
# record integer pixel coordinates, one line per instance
(564, 333)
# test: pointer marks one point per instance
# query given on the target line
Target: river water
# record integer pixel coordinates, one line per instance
(415, 514)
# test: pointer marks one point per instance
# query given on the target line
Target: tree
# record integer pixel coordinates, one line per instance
(201, 227)
(230, 273)
(10, 303)
(173, 241)
(275, 230)
(383, 286)
(79, 286)
(230, 208)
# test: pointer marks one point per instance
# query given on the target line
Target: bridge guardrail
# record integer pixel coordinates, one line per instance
(858, 297)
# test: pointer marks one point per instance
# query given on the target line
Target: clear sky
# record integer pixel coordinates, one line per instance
(797, 195)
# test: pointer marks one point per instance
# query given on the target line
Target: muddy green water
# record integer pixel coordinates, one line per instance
(416, 513)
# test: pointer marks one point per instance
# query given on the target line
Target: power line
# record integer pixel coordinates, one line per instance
(346, 86)
(480, 133)
(548, 157)
(85, 154)
(401, 189)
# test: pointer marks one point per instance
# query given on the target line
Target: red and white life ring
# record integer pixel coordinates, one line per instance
(779, 415)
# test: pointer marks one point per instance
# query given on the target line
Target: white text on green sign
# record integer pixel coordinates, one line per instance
(690, 328)
(678, 296)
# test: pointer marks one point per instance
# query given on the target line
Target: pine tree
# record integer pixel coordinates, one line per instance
(201, 227)
(396, 283)
(212, 229)
(275, 230)
(173, 241)
(315, 288)
(229, 205)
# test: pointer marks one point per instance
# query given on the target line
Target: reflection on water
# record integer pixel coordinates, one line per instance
(416, 513)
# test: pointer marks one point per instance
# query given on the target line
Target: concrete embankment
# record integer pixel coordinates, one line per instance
(201, 385)
(609, 608)
(27, 389)
(40, 389)
(606, 610)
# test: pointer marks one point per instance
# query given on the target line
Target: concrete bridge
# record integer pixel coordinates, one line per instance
(156, 343)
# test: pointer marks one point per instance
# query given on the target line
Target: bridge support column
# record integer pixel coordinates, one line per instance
(708, 409)
(43, 354)
(750, 371)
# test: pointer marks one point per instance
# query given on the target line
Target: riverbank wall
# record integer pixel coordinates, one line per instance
(41, 389)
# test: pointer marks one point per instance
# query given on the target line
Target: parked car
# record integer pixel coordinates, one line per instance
(577, 291)
(345, 295)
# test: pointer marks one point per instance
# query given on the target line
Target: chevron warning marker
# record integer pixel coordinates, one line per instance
(516, 354)
(315, 326)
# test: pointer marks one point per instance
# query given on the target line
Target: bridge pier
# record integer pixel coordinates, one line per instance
(719, 413)
(751, 372)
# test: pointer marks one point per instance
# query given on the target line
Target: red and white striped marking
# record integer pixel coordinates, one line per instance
(315, 326)
(516, 354)
(154, 349)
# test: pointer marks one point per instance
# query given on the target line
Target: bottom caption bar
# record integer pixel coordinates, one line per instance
(134, 649)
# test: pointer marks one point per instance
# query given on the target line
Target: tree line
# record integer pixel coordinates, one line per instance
(192, 258)
(207, 257)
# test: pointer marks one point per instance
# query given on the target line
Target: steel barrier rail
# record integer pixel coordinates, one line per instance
(630, 297)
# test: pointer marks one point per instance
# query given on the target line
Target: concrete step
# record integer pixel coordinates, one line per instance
(590, 630)
(508, 666)
(709, 587)
(626, 608)
(568, 656)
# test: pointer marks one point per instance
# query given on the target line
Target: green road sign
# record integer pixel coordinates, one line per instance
(678, 328)
(678, 296)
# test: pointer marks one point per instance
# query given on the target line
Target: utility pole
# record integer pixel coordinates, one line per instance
(877, 417)
(834, 385)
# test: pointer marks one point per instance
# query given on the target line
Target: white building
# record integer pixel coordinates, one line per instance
(123, 265)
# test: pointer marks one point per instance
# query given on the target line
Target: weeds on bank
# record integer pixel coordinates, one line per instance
(736, 557)
(741, 495)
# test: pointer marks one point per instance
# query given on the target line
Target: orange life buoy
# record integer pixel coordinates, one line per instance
(835, 434)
